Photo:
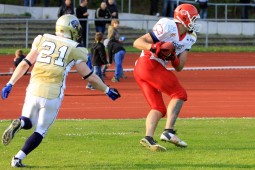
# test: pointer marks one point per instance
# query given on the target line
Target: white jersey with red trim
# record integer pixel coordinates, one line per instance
(166, 30)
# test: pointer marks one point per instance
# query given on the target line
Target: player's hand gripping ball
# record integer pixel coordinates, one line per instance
(155, 48)
(167, 51)
(164, 50)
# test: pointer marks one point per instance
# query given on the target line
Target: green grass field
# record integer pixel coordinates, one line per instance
(114, 144)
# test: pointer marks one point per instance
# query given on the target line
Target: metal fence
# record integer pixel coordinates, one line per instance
(24, 30)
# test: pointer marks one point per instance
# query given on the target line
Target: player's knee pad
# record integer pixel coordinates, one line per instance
(27, 122)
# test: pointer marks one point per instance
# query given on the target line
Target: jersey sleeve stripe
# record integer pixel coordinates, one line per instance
(153, 36)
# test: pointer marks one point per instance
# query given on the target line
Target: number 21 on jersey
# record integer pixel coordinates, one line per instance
(49, 48)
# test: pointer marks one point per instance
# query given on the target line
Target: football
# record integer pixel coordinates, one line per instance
(167, 48)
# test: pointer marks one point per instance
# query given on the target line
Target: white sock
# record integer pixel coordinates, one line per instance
(22, 123)
(21, 155)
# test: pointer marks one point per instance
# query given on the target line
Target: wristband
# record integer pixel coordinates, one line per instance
(107, 90)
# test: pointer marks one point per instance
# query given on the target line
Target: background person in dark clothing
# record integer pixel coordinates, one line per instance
(203, 8)
(66, 8)
(82, 13)
(27, 2)
(245, 9)
(101, 13)
(19, 56)
(154, 8)
(112, 7)
(116, 50)
(60, 2)
(98, 55)
(46, 3)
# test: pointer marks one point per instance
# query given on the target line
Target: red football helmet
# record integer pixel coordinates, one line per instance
(186, 14)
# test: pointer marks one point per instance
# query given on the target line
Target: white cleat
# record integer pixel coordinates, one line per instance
(172, 138)
(16, 163)
(11, 131)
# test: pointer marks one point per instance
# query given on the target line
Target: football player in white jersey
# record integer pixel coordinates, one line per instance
(54, 56)
(153, 77)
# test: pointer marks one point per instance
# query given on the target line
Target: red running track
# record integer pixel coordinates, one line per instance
(211, 93)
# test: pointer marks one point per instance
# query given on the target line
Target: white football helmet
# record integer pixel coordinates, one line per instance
(69, 26)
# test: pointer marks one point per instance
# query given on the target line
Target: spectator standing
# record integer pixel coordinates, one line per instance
(27, 3)
(203, 8)
(103, 14)
(60, 2)
(245, 9)
(173, 5)
(165, 12)
(154, 8)
(112, 7)
(82, 13)
(168, 8)
(113, 30)
(98, 55)
(66, 8)
(116, 51)
(46, 3)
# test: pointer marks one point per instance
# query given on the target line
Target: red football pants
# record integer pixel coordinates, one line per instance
(153, 78)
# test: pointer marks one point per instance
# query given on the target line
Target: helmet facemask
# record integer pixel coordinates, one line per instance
(192, 25)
